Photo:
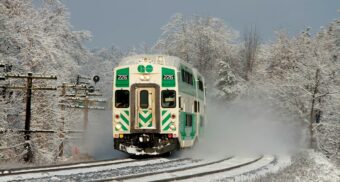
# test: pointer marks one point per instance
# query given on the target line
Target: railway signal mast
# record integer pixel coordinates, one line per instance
(79, 98)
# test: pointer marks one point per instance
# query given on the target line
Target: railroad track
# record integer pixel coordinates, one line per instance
(138, 176)
(195, 171)
(25, 170)
(240, 172)
(81, 169)
(68, 169)
(154, 169)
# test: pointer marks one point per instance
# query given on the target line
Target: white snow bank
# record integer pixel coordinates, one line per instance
(307, 166)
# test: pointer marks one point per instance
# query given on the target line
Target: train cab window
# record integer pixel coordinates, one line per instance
(168, 98)
(122, 98)
(144, 99)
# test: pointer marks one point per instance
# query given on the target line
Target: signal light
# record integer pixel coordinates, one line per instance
(173, 116)
(173, 127)
(170, 135)
(118, 126)
(115, 135)
(121, 135)
(117, 116)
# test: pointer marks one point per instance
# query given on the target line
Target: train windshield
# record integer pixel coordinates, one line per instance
(168, 98)
(122, 98)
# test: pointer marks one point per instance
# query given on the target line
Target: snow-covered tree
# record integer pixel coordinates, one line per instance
(175, 38)
(201, 41)
(303, 73)
(104, 60)
(249, 52)
(229, 86)
(40, 40)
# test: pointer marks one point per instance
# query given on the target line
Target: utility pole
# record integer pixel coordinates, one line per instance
(28, 89)
(62, 124)
(28, 117)
(86, 112)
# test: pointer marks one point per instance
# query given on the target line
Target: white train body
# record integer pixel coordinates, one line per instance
(158, 105)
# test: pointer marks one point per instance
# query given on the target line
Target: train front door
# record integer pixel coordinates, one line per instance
(146, 107)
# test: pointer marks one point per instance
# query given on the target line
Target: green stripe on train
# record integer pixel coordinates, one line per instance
(182, 118)
(187, 132)
(165, 119)
(193, 128)
(143, 120)
(125, 120)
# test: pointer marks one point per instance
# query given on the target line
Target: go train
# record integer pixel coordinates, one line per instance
(158, 105)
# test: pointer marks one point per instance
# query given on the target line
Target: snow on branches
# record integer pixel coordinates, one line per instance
(40, 40)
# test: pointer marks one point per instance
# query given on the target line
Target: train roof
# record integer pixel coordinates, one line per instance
(159, 59)
(154, 59)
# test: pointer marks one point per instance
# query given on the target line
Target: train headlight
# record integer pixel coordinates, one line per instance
(144, 77)
(118, 126)
(173, 127)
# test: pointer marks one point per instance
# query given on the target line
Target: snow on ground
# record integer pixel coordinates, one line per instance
(70, 172)
(168, 176)
(308, 166)
(274, 166)
(245, 172)
(14, 164)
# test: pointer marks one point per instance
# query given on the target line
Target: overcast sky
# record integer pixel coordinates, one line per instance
(125, 23)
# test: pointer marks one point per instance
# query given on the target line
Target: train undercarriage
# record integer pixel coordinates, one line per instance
(146, 144)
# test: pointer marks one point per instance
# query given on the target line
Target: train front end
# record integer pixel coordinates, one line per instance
(145, 109)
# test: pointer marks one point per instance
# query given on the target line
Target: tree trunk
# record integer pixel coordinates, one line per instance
(312, 143)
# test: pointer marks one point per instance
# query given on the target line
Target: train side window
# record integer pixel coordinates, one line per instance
(187, 77)
(190, 80)
(122, 98)
(168, 98)
(180, 102)
(183, 75)
(200, 85)
(189, 120)
(202, 122)
(196, 106)
(144, 99)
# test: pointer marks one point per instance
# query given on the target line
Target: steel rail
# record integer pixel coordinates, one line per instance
(37, 169)
(163, 171)
(210, 172)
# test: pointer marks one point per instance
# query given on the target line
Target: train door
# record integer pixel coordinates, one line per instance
(145, 110)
